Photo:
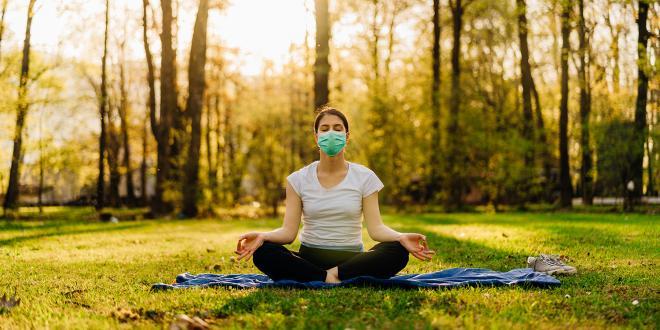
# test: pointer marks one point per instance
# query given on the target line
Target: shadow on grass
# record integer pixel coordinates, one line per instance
(10, 225)
(464, 253)
(328, 308)
(525, 219)
(69, 231)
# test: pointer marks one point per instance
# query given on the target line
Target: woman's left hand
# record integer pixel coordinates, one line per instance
(416, 245)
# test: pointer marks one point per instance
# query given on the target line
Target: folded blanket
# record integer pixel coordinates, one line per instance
(453, 277)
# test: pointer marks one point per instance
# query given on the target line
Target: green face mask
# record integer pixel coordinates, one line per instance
(331, 142)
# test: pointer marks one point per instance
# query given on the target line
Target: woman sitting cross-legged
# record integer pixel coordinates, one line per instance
(332, 195)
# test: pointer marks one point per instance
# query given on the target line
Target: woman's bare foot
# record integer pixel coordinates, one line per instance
(332, 275)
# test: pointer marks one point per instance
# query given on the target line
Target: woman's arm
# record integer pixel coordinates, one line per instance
(250, 242)
(378, 231)
(287, 233)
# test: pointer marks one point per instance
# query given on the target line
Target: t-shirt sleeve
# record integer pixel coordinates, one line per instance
(371, 184)
(294, 180)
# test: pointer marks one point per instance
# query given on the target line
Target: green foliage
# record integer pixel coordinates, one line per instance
(615, 157)
(380, 77)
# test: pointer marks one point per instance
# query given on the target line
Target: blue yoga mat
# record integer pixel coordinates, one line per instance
(447, 278)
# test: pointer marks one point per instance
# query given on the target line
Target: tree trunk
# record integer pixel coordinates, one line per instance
(526, 82)
(212, 172)
(231, 169)
(436, 142)
(196, 86)
(294, 106)
(615, 32)
(321, 66)
(40, 192)
(455, 197)
(168, 106)
(2, 24)
(564, 175)
(143, 164)
(219, 193)
(123, 117)
(543, 146)
(103, 109)
(112, 151)
(151, 101)
(650, 151)
(307, 153)
(11, 197)
(641, 130)
(586, 179)
(178, 134)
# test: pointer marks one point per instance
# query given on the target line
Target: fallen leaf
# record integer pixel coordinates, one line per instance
(72, 293)
(215, 267)
(184, 322)
(7, 304)
(124, 315)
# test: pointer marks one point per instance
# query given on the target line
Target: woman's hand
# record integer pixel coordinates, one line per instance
(416, 245)
(248, 243)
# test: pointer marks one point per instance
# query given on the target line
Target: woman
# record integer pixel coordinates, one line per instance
(332, 194)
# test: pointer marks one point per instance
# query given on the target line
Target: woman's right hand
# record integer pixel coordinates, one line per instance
(248, 243)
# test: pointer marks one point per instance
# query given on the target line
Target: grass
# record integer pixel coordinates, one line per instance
(71, 271)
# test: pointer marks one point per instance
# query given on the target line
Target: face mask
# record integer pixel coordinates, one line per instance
(331, 142)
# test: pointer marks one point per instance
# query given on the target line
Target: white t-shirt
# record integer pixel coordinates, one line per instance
(332, 218)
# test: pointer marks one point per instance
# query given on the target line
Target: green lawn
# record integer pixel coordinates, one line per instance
(74, 272)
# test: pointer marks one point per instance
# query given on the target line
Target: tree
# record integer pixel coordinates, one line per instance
(2, 23)
(586, 178)
(525, 80)
(436, 141)
(615, 34)
(564, 175)
(322, 65)
(103, 108)
(215, 95)
(168, 107)
(143, 163)
(526, 84)
(543, 144)
(11, 197)
(112, 152)
(641, 129)
(123, 110)
(151, 100)
(455, 157)
(196, 86)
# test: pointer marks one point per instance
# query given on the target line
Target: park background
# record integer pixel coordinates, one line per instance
(500, 128)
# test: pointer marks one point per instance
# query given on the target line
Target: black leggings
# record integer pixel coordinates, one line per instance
(383, 260)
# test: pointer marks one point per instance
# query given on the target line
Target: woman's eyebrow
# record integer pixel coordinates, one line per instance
(336, 125)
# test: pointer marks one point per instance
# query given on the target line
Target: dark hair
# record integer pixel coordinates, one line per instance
(327, 110)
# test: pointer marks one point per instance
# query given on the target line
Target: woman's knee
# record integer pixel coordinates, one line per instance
(392, 247)
(262, 254)
(402, 254)
(396, 251)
